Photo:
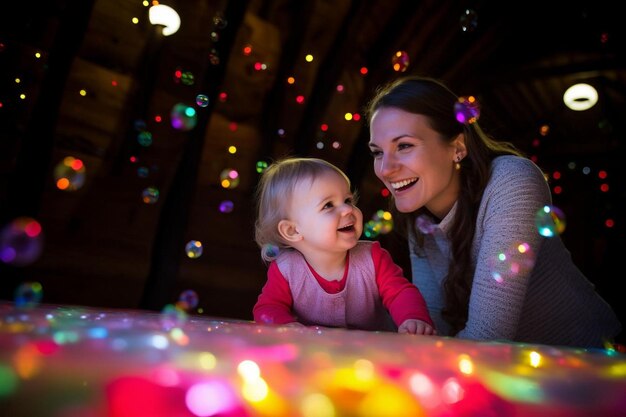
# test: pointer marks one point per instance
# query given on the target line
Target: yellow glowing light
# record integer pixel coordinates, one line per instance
(249, 370)
(83, 93)
(580, 97)
(309, 58)
(166, 17)
(232, 149)
(63, 183)
(348, 116)
(225, 183)
(535, 359)
(207, 360)
(466, 366)
(17, 81)
(255, 390)
(387, 401)
(37, 55)
(317, 405)
(134, 20)
(23, 96)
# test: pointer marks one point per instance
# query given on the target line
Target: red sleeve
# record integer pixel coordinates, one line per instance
(275, 302)
(402, 298)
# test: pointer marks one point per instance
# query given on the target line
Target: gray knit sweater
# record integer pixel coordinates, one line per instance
(541, 298)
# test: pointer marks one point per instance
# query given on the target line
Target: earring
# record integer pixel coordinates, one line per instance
(457, 164)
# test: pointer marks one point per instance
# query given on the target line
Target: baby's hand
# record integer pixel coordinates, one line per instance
(413, 326)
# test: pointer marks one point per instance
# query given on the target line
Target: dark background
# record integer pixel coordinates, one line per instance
(104, 247)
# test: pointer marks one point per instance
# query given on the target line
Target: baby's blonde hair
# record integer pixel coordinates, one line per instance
(273, 195)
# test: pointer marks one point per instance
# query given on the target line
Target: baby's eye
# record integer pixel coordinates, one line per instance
(349, 200)
(328, 205)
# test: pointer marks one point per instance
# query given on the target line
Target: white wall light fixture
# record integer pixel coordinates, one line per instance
(165, 16)
(580, 97)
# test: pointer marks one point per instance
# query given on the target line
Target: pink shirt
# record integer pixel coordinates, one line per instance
(401, 298)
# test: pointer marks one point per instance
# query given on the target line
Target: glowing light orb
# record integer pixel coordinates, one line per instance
(425, 225)
(467, 110)
(400, 61)
(469, 20)
(188, 299)
(150, 195)
(69, 174)
(261, 166)
(21, 241)
(144, 138)
(193, 249)
(229, 178)
(183, 117)
(227, 206)
(550, 221)
(271, 250)
(517, 260)
(28, 294)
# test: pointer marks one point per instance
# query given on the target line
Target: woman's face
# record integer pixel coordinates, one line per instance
(414, 162)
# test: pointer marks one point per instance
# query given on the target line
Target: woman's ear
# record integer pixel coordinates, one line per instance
(459, 146)
(288, 231)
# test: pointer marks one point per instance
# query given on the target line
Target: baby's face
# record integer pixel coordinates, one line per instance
(324, 213)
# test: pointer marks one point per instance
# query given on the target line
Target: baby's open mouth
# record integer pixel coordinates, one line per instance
(347, 228)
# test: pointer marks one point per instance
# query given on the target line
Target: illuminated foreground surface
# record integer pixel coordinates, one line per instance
(73, 361)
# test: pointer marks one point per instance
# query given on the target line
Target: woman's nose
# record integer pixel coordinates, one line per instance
(387, 164)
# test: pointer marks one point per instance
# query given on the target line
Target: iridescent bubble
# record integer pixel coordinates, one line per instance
(467, 109)
(227, 206)
(143, 172)
(144, 138)
(469, 20)
(219, 21)
(202, 100)
(519, 259)
(172, 317)
(150, 195)
(425, 224)
(21, 241)
(183, 117)
(372, 228)
(193, 249)
(550, 221)
(214, 57)
(28, 294)
(271, 250)
(187, 78)
(69, 174)
(188, 299)
(261, 166)
(229, 178)
(140, 125)
(385, 219)
(400, 61)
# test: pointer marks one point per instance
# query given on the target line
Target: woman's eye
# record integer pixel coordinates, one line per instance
(402, 146)
(375, 153)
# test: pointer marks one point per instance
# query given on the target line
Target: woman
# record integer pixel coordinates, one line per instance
(469, 203)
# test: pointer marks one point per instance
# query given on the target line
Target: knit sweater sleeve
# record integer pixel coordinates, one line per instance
(274, 305)
(505, 225)
(399, 296)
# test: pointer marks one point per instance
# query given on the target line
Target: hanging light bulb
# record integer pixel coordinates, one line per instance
(580, 97)
(165, 16)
